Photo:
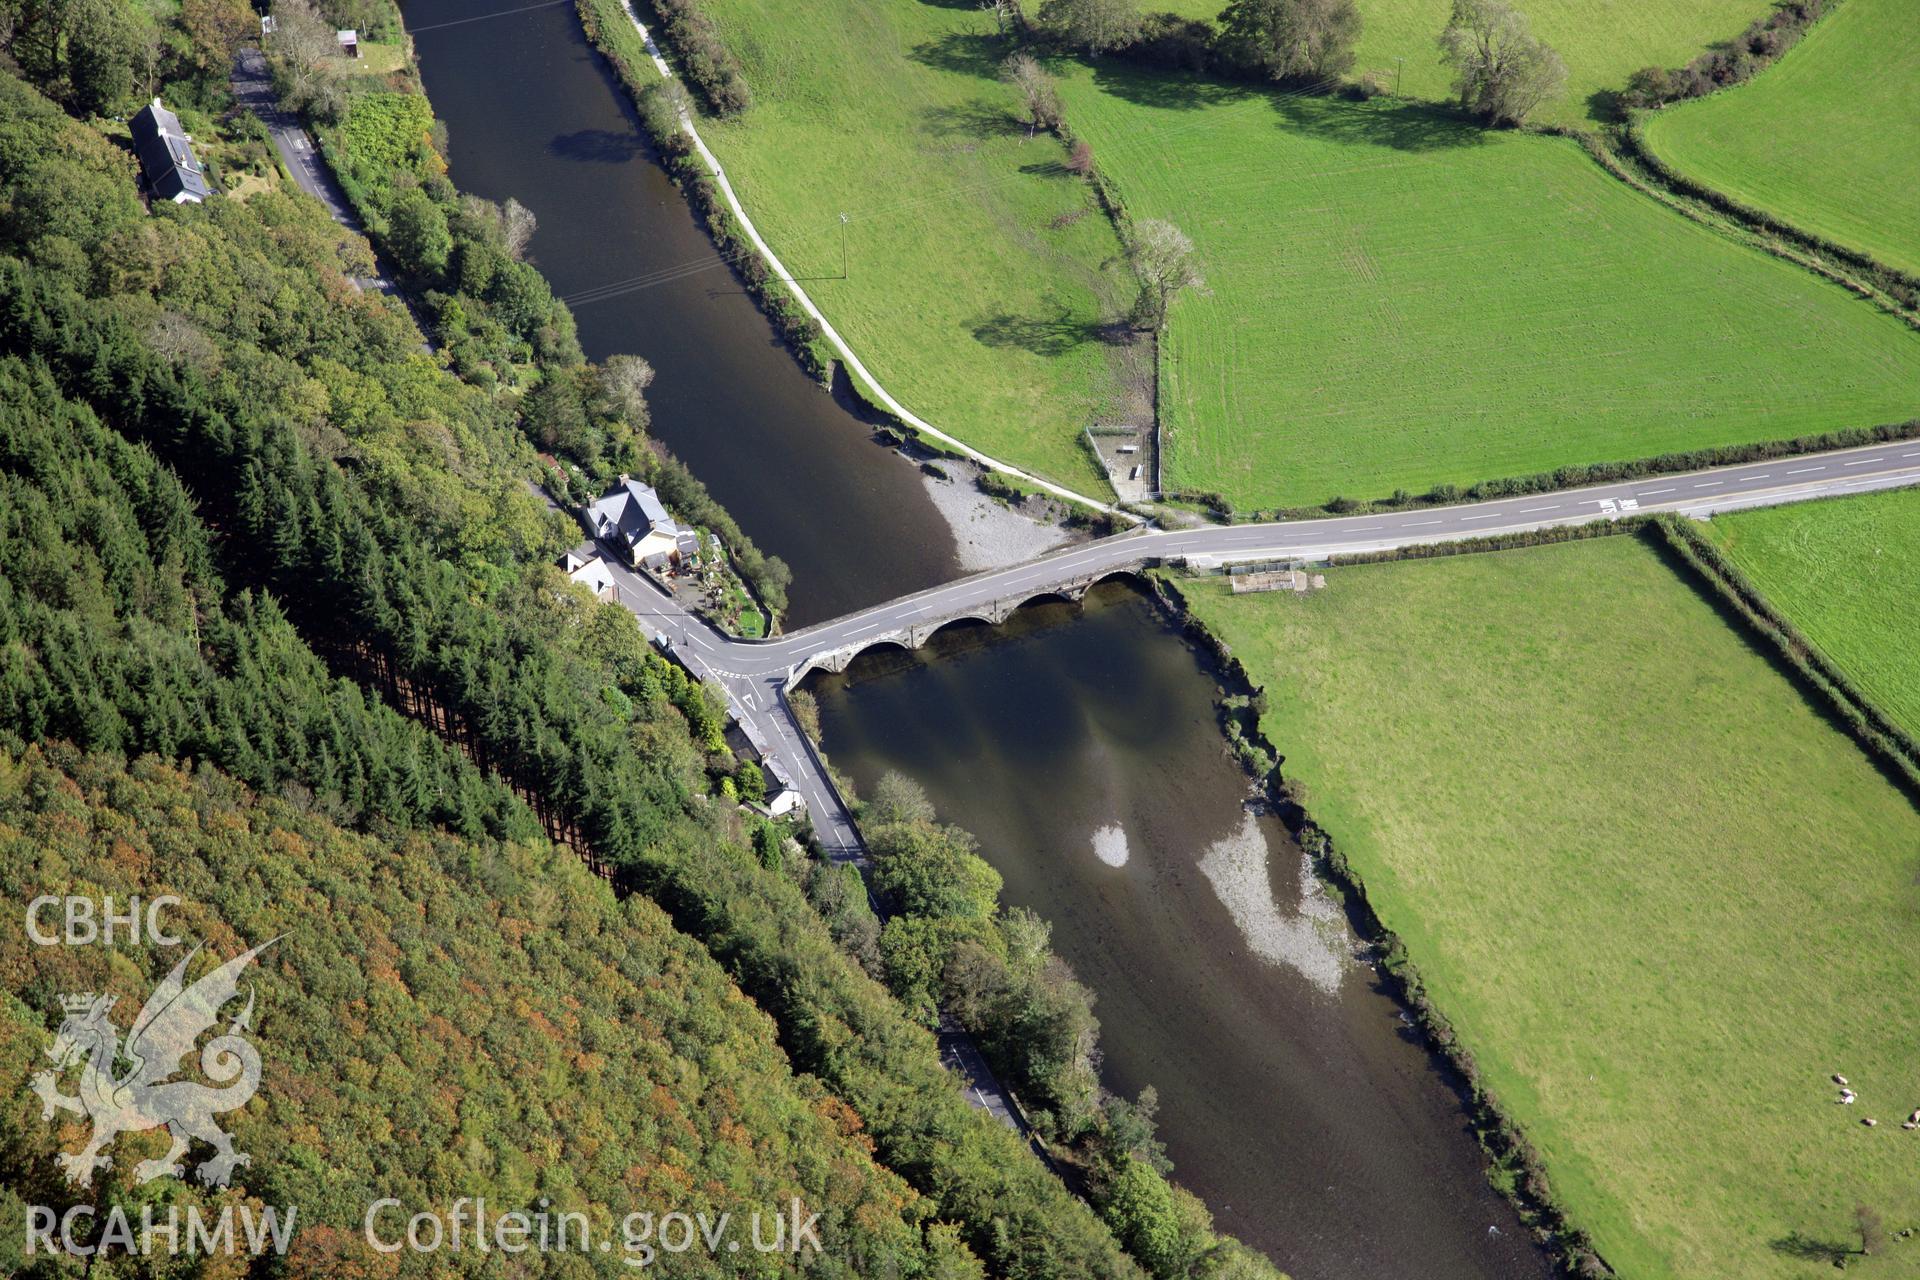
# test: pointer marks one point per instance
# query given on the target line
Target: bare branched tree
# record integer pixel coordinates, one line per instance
(518, 226)
(1037, 93)
(179, 341)
(1502, 72)
(302, 41)
(624, 380)
(1164, 261)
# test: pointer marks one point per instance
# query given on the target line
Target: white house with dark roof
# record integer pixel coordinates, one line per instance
(166, 156)
(631, 516)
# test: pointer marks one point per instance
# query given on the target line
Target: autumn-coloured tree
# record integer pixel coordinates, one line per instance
(218, 29)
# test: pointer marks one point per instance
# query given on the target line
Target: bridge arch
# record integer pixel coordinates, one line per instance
(990, 613)
(840, 659)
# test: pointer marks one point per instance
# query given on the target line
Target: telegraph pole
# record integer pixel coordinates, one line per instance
(843, 246)
(1400, 69)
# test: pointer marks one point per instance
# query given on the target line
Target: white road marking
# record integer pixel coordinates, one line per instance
(1489, 516)
(1708, 484)
(1861, 462)
(1648, 493)
(1804, 470)
(1415, 524)
(1527, 511)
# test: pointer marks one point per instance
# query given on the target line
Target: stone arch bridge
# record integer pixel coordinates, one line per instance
(911, 633)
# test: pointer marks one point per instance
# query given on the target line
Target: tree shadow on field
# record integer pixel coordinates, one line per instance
(1050, 335)
(976, 119)
(965, 52)
(1168, 90)
(1607, 106)
(597, 146)
(1400, 126)
(1808, 1249)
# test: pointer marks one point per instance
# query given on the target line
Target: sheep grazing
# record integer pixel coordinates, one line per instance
(1839, 1079)
(1915, 1117)
(1847, 1096)
(1868, 1121)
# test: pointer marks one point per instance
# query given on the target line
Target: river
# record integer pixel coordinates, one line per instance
(1078, 742)
(534, 113)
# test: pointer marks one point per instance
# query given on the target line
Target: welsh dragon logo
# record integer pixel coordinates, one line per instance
(141, 1096)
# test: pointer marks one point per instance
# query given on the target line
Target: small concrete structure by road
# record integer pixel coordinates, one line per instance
(587, 566)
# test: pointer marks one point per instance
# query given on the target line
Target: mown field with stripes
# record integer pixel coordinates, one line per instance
(1397, 299)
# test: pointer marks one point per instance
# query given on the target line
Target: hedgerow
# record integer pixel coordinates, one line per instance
(1871, 726)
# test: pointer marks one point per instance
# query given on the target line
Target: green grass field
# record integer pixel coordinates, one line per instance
(1827, 139)
(1847, 573)
(981, 272)
(1660, 897)
(1602, 42)
(1399, 300)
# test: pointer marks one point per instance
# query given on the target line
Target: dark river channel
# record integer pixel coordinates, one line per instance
(1080, 743)
(1077, 741)
(534, 113)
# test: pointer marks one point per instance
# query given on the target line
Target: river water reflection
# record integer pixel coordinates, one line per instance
(1079, 742)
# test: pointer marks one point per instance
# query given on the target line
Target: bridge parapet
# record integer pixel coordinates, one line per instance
(911, 635)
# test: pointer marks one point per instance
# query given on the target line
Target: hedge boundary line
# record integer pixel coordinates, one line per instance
(1870, 726)
(1801, 251)
(1600, 527)
(1579, 475)
(1500, 1137)
(1902, 286)
(710, 65)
